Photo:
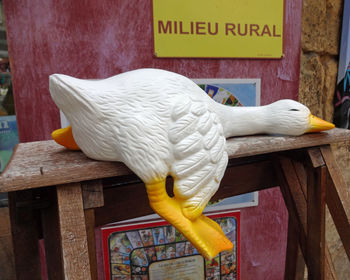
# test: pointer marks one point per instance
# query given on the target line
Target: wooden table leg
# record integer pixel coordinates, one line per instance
(295, 264)
(316, 227)
(76, 264)
(293, 181)
(7, 258)
(338, 198)
(92, 198)
(296, 205)
(50, 226)
(90, 231)
(25, 234)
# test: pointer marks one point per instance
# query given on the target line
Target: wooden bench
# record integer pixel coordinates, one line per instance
(61, 196)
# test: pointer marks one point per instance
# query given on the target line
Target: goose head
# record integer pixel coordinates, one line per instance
(288, 117)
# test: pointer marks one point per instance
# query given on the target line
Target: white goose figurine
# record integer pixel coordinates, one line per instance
(160, 123)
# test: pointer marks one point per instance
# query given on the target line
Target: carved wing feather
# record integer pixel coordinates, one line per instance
(199, 153)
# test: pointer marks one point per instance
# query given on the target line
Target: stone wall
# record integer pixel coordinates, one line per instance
(321, 30)
(321, 25)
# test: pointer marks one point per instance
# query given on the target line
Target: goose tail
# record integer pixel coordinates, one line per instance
(69, 93)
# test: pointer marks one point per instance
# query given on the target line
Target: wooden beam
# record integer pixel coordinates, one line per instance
(296, 207)
(92, 194)
(25, 234)
(338, 198)
(295, 264)
(296, 190)
(316, 227)
(316, 157)
(73, 232)
(7, 258)
(296, 198)
(302, 177)
(45, 163)
(51, 235)
(90, 232)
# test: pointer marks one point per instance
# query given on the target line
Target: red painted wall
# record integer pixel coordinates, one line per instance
(97, 39)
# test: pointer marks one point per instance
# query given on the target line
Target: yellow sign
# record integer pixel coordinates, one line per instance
(218, 28)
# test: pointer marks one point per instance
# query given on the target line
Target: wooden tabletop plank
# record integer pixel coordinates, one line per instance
(44, 163)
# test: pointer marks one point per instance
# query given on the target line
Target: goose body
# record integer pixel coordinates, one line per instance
(161, 123)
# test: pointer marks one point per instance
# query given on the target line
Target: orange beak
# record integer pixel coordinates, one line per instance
(316, 124)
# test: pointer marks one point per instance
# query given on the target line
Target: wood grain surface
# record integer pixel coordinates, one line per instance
(72, 228)
(338, 198)
(7, 259)
(44, 163)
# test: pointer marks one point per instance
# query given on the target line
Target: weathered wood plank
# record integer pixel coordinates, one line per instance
(7, 258)
(25, 235)
(90, 232)
(39, 164)
(45, 163)
(73, 232)
(295, 215)
(316, 225)
(295, 190)
(51, 234)
(302, 177)
(92, 194)
(295, 264)
(338, 198)
(296, 199)
(315, 157)
(262, 144)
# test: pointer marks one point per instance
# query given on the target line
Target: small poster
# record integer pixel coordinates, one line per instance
(8, 139)
(233, 92)
(155, 250)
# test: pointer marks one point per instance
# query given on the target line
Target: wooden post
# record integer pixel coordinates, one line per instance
(316, 228)
(25, 235)
(7, 261)
(338, 198)
(295, 264)
(296, 205)
(51, 234)
(92, 198)
(294, 180)
(76, 264)
(90, 232)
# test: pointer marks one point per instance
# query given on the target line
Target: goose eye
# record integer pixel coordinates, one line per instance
(295, 110)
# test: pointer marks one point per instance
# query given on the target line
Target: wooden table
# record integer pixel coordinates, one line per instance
(62, 195)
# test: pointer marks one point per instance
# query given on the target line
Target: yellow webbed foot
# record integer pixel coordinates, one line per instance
(204, 234)
(64, 137)
(191, 213)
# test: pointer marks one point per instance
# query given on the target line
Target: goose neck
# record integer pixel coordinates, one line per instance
(238, 121)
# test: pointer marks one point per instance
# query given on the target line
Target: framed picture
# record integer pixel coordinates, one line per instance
(153, 249)
(233, 92)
